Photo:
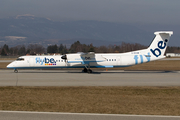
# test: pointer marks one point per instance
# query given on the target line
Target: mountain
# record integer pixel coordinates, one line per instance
(28, 29)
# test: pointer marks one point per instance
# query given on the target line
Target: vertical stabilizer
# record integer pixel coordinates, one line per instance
(159, 44)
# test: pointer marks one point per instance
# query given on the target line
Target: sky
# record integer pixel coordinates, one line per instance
(129, 11)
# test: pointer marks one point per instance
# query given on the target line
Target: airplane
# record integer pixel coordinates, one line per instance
(89, 60)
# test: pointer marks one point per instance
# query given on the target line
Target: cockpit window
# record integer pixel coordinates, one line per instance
(20, 59)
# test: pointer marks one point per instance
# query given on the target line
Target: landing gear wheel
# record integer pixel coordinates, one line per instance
(85, 70)
(89, 71)
(15, 70)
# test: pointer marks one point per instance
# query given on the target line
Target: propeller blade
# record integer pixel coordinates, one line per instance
(64, 57)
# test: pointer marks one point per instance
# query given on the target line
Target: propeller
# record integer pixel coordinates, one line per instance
(64, 57)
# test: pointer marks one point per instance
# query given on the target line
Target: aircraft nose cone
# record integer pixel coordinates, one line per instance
(9, 65)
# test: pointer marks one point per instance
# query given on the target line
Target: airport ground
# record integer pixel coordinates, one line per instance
(145, 99)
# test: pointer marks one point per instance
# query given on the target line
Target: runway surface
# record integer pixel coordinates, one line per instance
(18, 115)
(8, 61)
(97, 78)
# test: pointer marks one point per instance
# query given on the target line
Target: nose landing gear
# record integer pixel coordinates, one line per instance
(15, 70)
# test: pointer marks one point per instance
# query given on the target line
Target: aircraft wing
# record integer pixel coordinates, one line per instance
(84, 58)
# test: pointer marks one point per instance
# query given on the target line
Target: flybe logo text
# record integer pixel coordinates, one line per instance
(47, 61)
(161, 45)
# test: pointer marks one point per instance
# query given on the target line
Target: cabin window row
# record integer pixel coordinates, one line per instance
(111, 59)
(60, 60)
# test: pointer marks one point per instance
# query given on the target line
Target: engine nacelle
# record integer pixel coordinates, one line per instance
(83, 58)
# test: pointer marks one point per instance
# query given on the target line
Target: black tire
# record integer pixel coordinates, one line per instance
(89, 71)
(16, 71)
(85, 70)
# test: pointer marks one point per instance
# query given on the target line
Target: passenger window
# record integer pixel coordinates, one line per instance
(109, 59)
(112, 59)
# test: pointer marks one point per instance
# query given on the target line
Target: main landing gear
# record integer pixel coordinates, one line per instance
(15, 70)
(85, 70)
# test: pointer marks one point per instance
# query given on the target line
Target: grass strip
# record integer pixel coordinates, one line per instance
(111, 100)
(3, 65)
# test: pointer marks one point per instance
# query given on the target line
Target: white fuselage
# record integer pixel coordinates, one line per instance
(79, 61)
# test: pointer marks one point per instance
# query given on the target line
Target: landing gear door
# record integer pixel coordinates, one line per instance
(118, 60)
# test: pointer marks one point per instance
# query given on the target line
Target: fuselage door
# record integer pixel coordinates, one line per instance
(118, 58)
(31, 61)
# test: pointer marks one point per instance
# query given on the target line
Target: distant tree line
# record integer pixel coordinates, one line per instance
(33, 49)
(171, 49)
(78, 47)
